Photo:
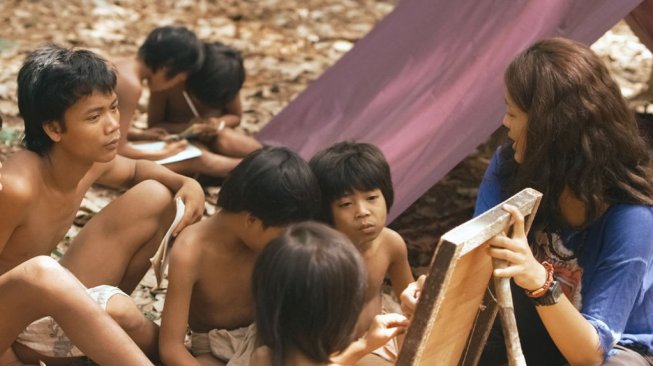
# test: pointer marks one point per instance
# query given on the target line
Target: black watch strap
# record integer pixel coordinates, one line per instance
(551, 297)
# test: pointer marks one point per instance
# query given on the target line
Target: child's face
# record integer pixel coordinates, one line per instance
(360, 215)
(261, 236)
(160, 81)
(92, 128)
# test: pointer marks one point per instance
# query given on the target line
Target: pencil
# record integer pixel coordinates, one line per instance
(190, 104)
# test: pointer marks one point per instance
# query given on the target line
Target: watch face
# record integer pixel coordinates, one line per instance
(551, 297)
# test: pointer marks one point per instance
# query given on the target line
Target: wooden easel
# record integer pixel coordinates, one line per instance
(456, 307)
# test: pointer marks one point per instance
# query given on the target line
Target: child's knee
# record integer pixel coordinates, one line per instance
(44, 271)
(125, 312)
(154, 188)
(157, 194)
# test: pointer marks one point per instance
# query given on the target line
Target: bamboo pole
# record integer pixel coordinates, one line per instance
(507, 314)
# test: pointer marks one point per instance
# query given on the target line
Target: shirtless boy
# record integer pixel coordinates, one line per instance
(22, 290)
(211, 264)
(168, 57)
(70, 110)
(356, 195)
(214, 92)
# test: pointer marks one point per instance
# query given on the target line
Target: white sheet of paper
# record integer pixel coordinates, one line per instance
(160, 259)
(190, 152)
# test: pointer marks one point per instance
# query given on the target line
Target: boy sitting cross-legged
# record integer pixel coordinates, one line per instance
(211, 263)
(356, 195)
(67, 100)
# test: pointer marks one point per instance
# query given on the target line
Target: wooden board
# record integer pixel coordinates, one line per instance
(451, 303)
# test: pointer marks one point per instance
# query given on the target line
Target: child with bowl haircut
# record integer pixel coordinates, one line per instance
(356, 195)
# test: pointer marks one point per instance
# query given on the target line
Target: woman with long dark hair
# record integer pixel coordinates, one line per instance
(584, 277)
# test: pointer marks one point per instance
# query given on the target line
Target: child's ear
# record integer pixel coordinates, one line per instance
(178, 78)
(53, 130)
(251, 220)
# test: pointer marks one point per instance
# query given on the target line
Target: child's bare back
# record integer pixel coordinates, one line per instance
(220, 266)
(211, 264)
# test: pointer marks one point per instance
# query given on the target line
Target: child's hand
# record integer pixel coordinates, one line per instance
(155, 133)
(527, 272)
(198, 129)
(174, 147)
(218, 124)
(410, 296)
(193, 196)
(384, 327)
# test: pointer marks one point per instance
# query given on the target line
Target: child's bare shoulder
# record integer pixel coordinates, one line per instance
(189, 244)
(196, 242)
(393, 244)
(22, 177)
(391, 238)
(128, 81)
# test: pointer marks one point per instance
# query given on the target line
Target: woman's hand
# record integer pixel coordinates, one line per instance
(527, 272)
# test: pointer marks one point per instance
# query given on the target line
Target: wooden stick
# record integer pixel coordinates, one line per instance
(507, 314)
(506, 307)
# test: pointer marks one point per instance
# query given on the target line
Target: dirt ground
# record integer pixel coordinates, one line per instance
(286, 45)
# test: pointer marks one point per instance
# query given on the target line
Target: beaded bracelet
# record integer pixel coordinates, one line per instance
(549, 280)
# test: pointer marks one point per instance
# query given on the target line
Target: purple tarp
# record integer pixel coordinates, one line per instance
(426, 85)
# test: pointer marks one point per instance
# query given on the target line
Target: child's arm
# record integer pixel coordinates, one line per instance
(384, 327)
(399, 269)
(231, 114)
(129, 92)
(156, 115)
(15, 199)
(127, 172)
(182, 276)
(410, 296)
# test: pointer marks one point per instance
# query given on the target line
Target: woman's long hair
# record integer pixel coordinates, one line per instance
(580, 132)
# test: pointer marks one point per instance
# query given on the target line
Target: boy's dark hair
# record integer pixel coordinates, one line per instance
(220, 78)
(309, 287)
(350, 165)
(275, 185)
(51, 80)
(174, 47)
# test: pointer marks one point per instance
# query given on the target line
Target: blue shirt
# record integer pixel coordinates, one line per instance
(616, 256)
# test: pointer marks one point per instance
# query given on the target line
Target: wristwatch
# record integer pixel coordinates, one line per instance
(551, 297)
